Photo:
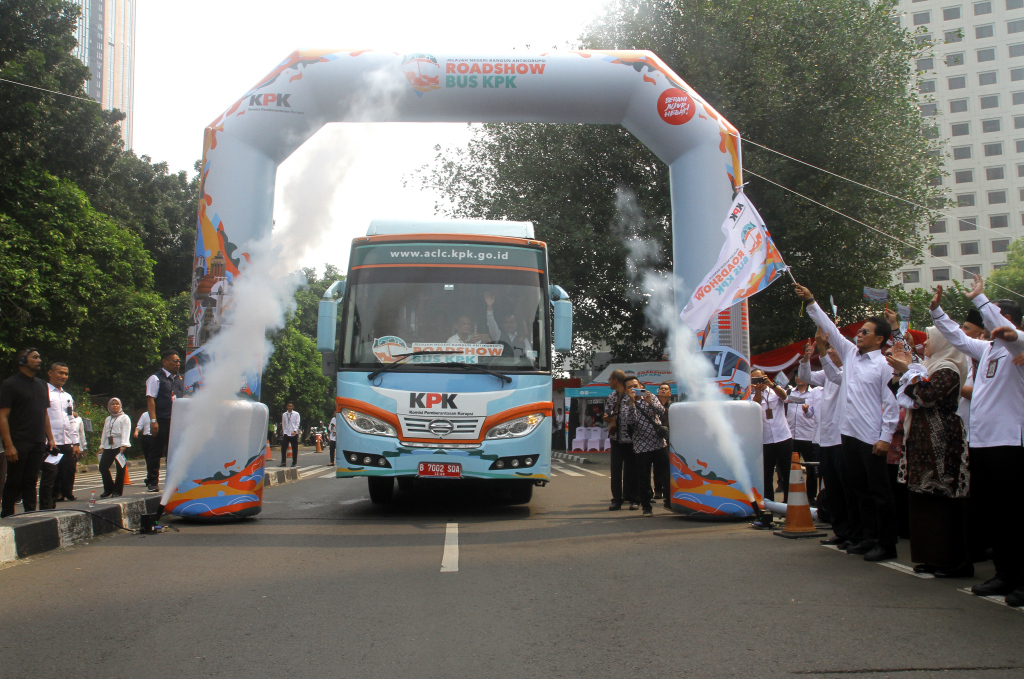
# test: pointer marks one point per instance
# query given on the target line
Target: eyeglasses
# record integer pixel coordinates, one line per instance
(862, 331)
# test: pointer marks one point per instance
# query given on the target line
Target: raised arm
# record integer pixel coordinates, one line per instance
(950, 329)
(994, 320)
(841, 344)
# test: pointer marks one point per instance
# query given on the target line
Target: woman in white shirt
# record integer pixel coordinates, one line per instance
(117, 430)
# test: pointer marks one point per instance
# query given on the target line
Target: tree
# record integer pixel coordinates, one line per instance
(1010, 277)
(827, 81)
(77, 286)
(161, 208)
(293, 374)
(68, 137)
(307, 298)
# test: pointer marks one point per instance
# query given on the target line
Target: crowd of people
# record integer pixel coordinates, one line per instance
(44, 437)
(927, 444)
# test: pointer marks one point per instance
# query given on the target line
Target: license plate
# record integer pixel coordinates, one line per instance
(443, 470)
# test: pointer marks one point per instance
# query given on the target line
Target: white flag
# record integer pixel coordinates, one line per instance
(747, 264)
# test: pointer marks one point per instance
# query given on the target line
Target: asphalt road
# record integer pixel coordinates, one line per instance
(326, 584)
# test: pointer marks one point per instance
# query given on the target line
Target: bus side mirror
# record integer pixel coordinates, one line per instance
(563, 319)
(327, 327)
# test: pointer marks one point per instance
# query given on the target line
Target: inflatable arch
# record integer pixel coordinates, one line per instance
(244, 146)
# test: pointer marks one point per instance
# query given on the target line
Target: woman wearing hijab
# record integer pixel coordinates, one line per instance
(935, 457)
(117, 429)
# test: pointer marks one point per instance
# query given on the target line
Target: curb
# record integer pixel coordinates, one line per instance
(24, 535)
(571, 458)
(27, 535)
(278, 477)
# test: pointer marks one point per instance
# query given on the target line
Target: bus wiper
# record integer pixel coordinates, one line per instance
(389, 366)
(479, 368)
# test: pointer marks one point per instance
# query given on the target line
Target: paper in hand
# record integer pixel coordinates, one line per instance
(53, 459)
(121, 459)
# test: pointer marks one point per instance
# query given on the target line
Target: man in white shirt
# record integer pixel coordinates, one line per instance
(802, 408)
(332, 438)
(58, 480)
(842, 505)
(290, 422)
(996, 430)
(464, 332)
(144, 433)
(869, 415)
(508, 332)
(162, 388)
(777, 439)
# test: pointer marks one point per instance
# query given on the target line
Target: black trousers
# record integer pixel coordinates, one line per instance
(645, 463)
(662, 477)
(777, 457)
(833, 474)
(66, 469)
(22, 476)
(868, 476)
(294, 442)
(623, 473)
(333, 447)
(111, 485)
(48, 479)
(995, 482)
(157, 450)
(808, 453)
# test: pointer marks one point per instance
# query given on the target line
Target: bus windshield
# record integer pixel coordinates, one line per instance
(494, 317)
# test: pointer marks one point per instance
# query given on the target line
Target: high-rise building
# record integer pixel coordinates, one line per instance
(973, 92)
(106, 44)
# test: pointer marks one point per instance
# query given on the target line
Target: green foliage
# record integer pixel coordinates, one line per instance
(293, 374)
(77, 286)
(307, 298)
(1010, 277)
(161, 208)
(70, 138)
(827, 81)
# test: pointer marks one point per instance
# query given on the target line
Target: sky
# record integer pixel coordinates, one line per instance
(194, 58)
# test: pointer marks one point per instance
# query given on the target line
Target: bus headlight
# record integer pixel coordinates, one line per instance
(521, 426)
(367, 424)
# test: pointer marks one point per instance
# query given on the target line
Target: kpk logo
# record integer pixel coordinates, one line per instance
(429, 400)
(269, 99)
(422, 71)
(737, 211)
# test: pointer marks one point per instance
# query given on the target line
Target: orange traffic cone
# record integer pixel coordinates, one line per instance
(270, 456)
(127, 479)
(798, 510)
(319, 448)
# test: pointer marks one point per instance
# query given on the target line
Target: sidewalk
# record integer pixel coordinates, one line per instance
(72, 522)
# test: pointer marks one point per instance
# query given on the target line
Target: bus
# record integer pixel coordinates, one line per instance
(441, 339)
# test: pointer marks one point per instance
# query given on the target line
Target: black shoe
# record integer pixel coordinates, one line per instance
(115, 495)
(58, 499)
(648, 511)
(70, 498)
(615, 506)
(881, 553)
(994, 587)
(104, 496)
(658, 496)
(844, 545)
(1015, 599)
(924, 568)
(962, 572)
(153, 489)
(633, 506)
(834, 540)
(282, 465)
(861, 547)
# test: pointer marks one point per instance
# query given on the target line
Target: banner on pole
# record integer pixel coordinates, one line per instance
(876, 294)
(748, 263)
(904, 314)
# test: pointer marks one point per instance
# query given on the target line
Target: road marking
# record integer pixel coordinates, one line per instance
(565, 471)
(450, 558)
(994, 599)
(329, 475)
(909, 570)
(582, 469)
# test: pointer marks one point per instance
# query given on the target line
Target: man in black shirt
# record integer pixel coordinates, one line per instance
(25, 428)
(162, 388)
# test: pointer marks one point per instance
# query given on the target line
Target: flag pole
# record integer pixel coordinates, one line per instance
(790, 272)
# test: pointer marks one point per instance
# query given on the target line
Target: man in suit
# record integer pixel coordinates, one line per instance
(509, 331)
